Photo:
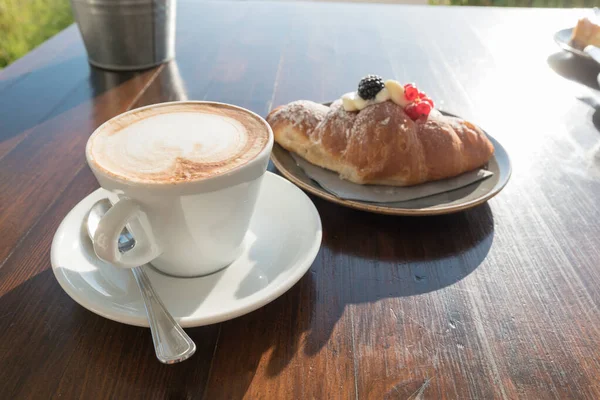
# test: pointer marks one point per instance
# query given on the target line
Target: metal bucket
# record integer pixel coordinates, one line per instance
(127, 34)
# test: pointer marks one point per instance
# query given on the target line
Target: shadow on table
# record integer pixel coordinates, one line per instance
(581, 70)
(364, 258)
(595, 104)
(575, 68)
(407, 256)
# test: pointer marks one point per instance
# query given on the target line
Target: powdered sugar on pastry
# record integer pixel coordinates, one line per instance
(380, 144)
(301, 114)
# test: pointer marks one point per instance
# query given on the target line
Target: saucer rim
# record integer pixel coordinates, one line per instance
(566, 45)
(249, 304)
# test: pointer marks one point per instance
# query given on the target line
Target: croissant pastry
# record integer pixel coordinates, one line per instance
(381, 143)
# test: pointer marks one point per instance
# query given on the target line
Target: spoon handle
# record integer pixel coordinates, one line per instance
(171, 343)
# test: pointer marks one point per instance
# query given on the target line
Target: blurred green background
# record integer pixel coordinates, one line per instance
(24, 24)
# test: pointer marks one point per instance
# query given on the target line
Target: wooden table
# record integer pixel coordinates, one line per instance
(497, 302)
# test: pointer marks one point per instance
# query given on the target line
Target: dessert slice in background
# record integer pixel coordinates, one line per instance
(586, 33)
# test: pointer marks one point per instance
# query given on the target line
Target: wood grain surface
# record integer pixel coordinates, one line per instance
(500, 301)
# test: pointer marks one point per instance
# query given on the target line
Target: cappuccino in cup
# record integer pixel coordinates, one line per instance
(184, 178)
(181, 142)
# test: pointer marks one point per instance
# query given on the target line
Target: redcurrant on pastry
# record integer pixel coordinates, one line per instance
(422, 109)
(411, 92)
(412, 111)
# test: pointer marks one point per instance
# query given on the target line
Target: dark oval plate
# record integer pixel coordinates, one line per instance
(443, 203)
(563, 39)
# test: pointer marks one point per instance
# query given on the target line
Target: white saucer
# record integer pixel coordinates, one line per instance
(283, 241)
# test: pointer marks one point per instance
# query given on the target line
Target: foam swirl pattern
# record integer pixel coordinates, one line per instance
(176, 143)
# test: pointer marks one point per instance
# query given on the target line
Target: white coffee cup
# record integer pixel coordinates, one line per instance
(183, 226)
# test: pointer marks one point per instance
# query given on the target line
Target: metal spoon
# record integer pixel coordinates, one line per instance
(171, 343)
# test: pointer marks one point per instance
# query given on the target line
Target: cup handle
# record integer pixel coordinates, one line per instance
(106, 238)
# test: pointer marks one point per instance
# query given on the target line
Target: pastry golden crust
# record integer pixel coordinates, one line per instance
(586, 33)
(380, 144)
